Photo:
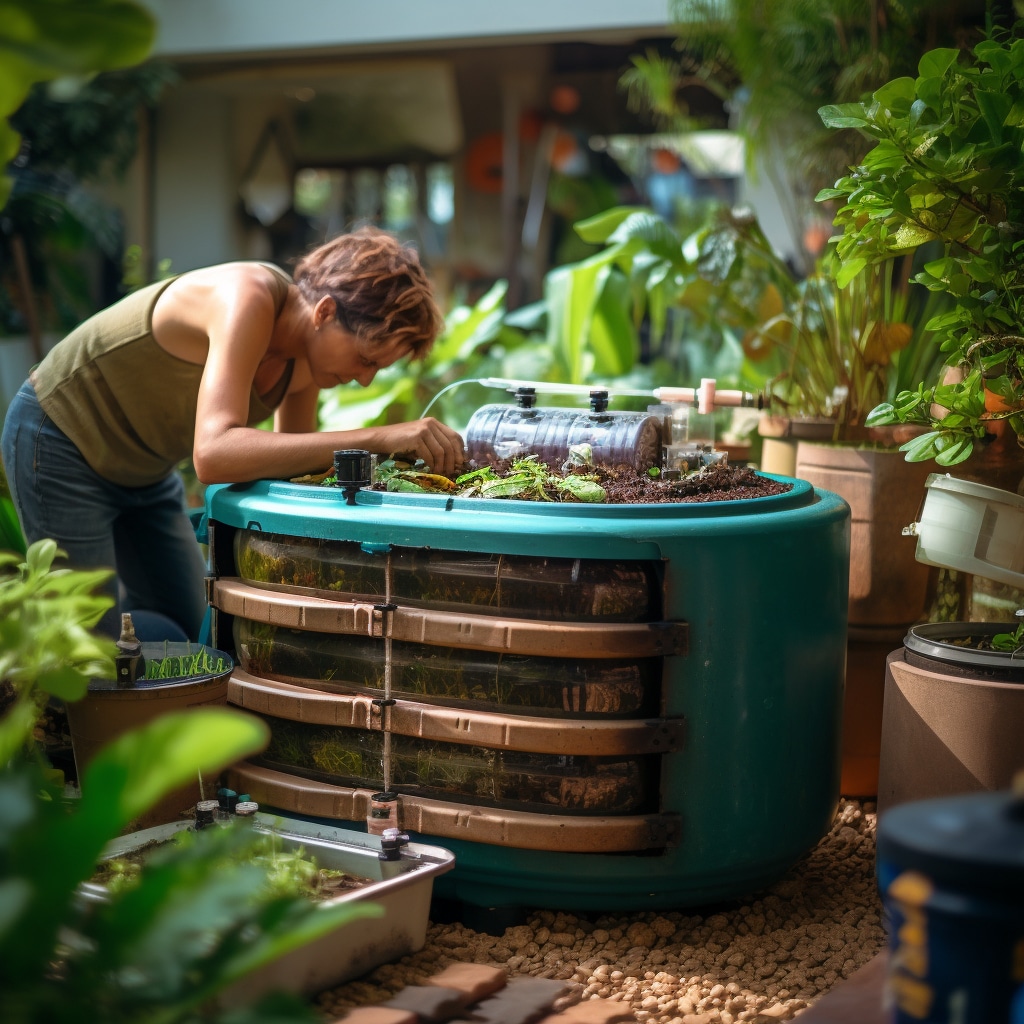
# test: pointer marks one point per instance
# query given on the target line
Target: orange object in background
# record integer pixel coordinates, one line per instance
(564, 99)
(484, 163)
(531, 123)
(816, 238)
(564, 151)
(664, 161)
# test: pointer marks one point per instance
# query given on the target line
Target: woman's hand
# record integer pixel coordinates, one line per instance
(440, 447)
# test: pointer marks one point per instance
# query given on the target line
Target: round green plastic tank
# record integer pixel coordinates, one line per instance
(762, 585)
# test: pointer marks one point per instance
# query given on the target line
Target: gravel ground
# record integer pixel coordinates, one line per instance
(762, 960)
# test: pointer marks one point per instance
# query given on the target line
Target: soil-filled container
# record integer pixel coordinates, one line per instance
(951, 873)
(402, 887)
(193, 675)
(951, 714)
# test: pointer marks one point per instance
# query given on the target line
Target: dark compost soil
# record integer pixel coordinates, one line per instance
(718, 482)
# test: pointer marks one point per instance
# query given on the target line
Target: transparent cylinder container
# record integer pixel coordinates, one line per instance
(618, 438)
(552, 589)
(499, 778)
(480, 680)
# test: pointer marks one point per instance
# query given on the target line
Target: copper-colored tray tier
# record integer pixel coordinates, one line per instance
(591, 737)
(451, 629)
(524, 830)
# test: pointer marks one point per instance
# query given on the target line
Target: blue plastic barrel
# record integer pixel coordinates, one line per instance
(951, 873)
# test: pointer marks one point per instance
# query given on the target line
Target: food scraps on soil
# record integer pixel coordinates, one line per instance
(578, 480)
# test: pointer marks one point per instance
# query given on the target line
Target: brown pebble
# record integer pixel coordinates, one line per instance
(777, 1012)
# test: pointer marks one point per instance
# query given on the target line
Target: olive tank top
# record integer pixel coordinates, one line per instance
(128, 405)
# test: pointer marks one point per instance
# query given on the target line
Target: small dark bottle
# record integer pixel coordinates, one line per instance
(206, 811)
(129, 663)
(227, 799)
(391, 843)
(353, 469)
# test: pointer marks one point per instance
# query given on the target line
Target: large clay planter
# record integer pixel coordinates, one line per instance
(888, 586)
(951, 716)
(780, 436)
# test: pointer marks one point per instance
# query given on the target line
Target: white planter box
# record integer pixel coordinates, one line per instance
(402, 887)
(971, 527)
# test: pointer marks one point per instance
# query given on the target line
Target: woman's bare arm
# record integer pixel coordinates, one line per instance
(240, 325)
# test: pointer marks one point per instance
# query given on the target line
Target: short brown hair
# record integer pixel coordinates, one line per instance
(380, 288)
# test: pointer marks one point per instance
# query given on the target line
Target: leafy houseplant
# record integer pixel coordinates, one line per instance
(162, 951)
(821, 51)
(815, 347)
(946, 170)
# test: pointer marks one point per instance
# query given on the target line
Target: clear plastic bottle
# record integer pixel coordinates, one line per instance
(617, 438)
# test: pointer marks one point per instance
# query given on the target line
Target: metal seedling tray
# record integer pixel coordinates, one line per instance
(402, 887)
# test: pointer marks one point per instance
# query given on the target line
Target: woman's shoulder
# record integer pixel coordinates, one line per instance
(255, 270)
(240, 277)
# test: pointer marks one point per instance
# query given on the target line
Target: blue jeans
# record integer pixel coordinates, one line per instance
(142, 532)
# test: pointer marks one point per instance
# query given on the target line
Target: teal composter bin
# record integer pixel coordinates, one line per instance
(595, 707)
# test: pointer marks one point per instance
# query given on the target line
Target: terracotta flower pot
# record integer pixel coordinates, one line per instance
(888, 586)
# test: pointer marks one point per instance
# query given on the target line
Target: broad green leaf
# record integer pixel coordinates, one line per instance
(955, 453)
(910, 236)
(922, 448)
(347, 408)
(613, 338)
(64, 682)
(897, 94)
(881, 415)
(935, 63)
(846, 115)
(600, 227)
(848, 270)
(139, 768)
(995, 107)
(40, 555)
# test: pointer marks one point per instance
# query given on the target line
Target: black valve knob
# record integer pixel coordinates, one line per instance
(352, 469)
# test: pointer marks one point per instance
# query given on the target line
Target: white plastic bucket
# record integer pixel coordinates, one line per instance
(971, 527)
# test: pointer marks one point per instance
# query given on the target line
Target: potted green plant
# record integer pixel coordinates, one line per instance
(827, 51)
(945, 171)
(164, 950)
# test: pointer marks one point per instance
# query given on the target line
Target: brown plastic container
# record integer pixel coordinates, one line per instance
(951, 721)
(107, 711)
